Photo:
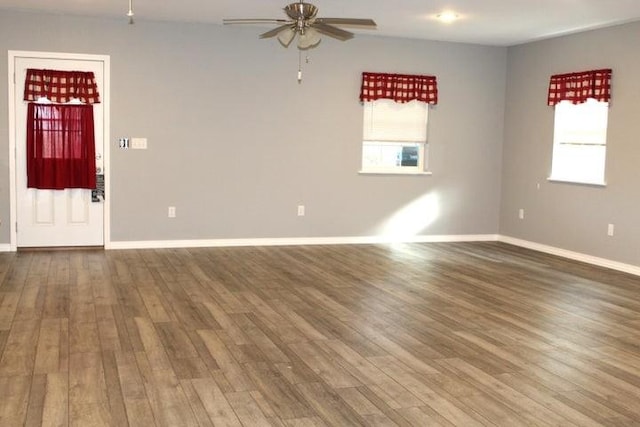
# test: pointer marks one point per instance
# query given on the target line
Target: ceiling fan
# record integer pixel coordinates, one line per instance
(303, 23)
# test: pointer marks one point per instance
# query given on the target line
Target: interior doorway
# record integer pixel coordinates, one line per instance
(54, 218)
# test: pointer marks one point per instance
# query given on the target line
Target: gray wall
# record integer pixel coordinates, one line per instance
(569, 216)
(236, 144)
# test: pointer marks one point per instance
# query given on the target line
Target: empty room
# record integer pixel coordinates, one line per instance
(321, 213)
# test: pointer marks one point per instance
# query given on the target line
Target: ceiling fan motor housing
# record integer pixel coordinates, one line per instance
(301, 11)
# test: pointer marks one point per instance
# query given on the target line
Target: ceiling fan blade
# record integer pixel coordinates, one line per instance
(332, 31)
(275, 31)
(348, 22)
(254, 21)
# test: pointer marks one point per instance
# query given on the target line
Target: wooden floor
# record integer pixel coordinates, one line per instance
(423, 334)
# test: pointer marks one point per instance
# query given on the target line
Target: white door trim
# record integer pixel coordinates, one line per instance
(105, 99)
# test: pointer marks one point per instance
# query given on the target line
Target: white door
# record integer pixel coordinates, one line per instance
(56, 217)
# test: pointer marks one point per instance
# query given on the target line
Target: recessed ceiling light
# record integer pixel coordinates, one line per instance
(447, 17)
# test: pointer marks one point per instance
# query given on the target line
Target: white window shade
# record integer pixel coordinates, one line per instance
(584, 123)
(389, 121)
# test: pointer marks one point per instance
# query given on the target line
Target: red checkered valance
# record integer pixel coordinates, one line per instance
(399, 87)
(577, 87)
(61, 86)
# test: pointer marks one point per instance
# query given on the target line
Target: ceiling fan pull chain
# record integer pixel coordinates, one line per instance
(299, 66)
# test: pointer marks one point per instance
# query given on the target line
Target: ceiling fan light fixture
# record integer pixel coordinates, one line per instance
(286, 36)
(310, 38)
(303, 23)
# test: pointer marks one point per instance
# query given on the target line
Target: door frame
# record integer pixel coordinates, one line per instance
(105, 100)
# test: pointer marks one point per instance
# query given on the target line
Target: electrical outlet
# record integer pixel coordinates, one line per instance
(610, 229)
(172, 212)
(300, 210)
(521, 214)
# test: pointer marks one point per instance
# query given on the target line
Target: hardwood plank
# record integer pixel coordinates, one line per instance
(35, 406)
(154, 304)
(198, 408)
(8, 308)
(19, 353)
(88, 399)
(31, 301)
(521, 403)
(14, 398)
(107, 328)
(48, 351)
(325, 367)
(358, 402)
(16, 275)
(117, 407)
(182, 354)
(4, 335)
(305, 422)
(217, 349)
(56, 400)
(226, 323)
(390, 395)
(285, 400)
(152, 344)
(56, 301)
(247, 409)
(417, 416)
(215, 403)
(133, 391)
(83, 337)
(594, 409)
(329, 406)
(167, 399)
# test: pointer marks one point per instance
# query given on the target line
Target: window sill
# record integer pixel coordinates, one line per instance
(569, 181)
(423, 173)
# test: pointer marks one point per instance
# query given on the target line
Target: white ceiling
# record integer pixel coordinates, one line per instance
(492, 22)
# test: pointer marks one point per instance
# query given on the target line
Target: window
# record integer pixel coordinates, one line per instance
(579, 142)
(394, 137)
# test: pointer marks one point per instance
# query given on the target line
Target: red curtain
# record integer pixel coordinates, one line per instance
(60, 146)
(399, 87)
(577, 87)
(61, 86)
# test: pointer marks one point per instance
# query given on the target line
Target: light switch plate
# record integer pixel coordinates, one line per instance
(139, 143)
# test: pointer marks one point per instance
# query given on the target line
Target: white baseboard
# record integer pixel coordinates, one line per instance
(296, 241)
(577, 256)
(364, 240)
